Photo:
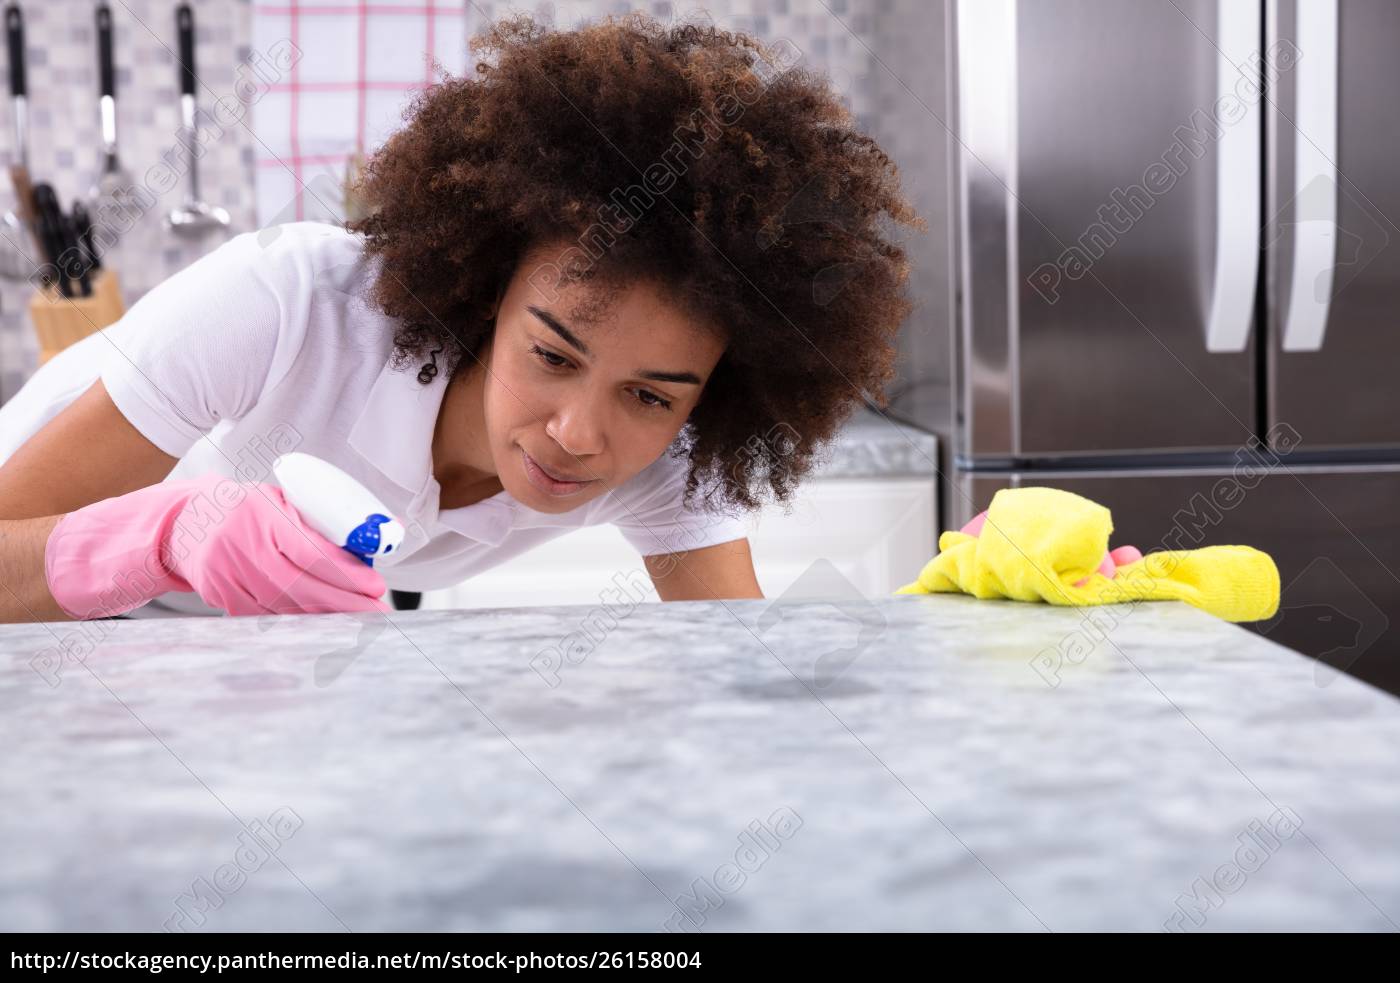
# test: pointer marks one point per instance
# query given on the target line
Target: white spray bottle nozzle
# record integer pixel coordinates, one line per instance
(339, 507)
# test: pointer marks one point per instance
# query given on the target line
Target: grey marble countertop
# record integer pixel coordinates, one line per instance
(873, 444)
(901, 764)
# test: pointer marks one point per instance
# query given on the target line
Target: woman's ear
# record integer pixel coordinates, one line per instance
(490, 312)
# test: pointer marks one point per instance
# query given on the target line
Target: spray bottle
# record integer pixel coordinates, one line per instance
(339, 507)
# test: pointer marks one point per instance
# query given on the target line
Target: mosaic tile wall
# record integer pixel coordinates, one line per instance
(886, 56)
(65, 142)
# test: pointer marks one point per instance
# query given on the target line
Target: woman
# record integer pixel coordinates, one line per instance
(627, 274)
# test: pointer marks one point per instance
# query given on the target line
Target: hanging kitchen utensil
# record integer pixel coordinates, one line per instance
(112, 186)
(19, 85)
(20, 226)
(195, 217)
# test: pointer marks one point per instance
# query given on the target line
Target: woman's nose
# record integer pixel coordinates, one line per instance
(577, 430)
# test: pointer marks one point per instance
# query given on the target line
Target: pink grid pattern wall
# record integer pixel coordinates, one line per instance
(360, 65)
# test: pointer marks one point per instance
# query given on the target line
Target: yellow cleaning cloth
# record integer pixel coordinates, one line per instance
(1037, 543)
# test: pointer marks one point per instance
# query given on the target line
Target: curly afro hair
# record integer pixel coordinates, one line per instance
(692, 157)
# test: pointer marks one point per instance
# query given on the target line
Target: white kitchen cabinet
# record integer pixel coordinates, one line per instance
(875, 533)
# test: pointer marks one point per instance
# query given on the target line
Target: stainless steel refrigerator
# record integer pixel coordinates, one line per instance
(1179, 286)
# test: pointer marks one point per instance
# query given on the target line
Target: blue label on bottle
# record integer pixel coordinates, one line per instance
(363, 540)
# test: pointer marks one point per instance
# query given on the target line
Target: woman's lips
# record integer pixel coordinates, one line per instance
(548, 484)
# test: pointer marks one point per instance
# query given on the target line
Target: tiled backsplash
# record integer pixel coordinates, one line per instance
(65, 142)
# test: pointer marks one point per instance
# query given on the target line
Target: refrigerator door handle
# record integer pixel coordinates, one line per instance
(1238, 177)
(1314, 178)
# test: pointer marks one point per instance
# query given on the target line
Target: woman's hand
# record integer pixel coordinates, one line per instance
(241, 547)
(1112, 560)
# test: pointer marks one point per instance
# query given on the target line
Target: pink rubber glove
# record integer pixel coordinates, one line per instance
(240, 547)
(1112, 560)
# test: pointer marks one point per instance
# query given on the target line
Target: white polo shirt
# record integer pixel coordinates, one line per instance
(266, 345)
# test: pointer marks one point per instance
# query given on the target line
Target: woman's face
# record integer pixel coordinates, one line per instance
(573, 409)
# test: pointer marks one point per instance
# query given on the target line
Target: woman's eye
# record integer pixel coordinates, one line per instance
(651, 399)
(647, 398)
(548, 357)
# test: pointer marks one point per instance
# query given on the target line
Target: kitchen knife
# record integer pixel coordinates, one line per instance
(73, 248)
(82, 222)
(50, 233)
(37, 195)
(66, 255)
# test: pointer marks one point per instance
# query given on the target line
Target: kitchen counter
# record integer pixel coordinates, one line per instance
(875, 445)
(904, 764)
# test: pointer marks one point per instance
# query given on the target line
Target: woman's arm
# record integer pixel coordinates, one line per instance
(87, 453)
(711, 573)
(24, 591)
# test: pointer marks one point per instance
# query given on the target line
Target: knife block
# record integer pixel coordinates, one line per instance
(61, 321)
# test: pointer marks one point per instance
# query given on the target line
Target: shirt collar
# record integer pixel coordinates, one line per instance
(394, 431)
(394, 435)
